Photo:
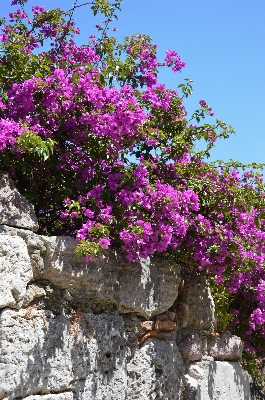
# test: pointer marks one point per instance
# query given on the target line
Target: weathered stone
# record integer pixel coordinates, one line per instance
(32, 293)
(156, 372)
(191, 348)
(60, 396)
(216, 380)
(15, 271)
(15, 210)
(205, 355)
(195, 307)
(50, 351)
(44, 356)
(147, 288)
(225, 347)
(43, 353)
(182, 313)
(36, 250)
(35, 244)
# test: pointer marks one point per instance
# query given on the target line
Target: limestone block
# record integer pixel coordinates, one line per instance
(60, 396)
(205, 355)
(191, 348)
(36, 250)
(225, 347)
(15, 270)
(15, 210)
(33, 292)
(195, 307)
(156, 371)
(147, 288)
(42, 353)
(219, 380)
(35, 245)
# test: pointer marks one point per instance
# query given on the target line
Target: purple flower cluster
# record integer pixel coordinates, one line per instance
(173, 60)
(9, 130)
(168, 201)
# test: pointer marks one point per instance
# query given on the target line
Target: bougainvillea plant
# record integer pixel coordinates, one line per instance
(107, 154)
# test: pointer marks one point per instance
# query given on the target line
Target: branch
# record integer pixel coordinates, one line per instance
(81, 5)
(72, 13)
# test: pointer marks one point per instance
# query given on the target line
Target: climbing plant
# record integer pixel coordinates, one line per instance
(107, 154)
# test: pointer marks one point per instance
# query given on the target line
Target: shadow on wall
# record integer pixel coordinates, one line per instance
(85, 352)
(220, 384)
(256, 392)
(148, 288)
(212, 373)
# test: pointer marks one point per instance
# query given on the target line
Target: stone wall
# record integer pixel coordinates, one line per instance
(108, 329)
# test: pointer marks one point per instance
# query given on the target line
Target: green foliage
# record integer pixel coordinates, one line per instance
(106, 7)
(186, 88)
(86, 248)
(31, 142)
(91, 247)
(253, 367)
(223, 301)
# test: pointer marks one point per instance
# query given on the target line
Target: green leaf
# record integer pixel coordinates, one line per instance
(75, 78)
(101, 79)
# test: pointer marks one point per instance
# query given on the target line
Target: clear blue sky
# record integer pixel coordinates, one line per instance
(222, 42)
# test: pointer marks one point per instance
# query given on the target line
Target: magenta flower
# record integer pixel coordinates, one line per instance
(173, 60)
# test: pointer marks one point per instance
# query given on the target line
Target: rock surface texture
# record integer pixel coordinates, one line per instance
(71, 330)
(15, 210)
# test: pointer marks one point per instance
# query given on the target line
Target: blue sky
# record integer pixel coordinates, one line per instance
(222, 43)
